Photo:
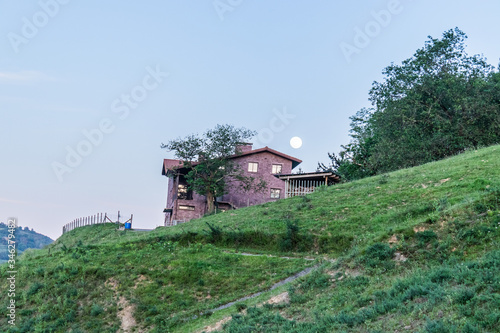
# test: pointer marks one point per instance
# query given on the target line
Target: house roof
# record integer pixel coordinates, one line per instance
(295, 161)
(310, 176)
(170, 164)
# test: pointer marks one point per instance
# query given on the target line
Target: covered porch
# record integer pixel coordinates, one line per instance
(303, 183)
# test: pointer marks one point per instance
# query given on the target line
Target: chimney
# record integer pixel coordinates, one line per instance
(243, 147)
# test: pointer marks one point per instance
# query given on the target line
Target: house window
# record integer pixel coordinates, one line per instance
(184, 207)
(253, 167)
(184, 193)
(276, 169)
(275, 193)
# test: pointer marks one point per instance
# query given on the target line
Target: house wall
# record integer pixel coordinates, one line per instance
(198, 202)
(265, 160)
(236, 196)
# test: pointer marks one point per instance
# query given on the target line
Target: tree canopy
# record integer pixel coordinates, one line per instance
(437, 103)
(208, 158)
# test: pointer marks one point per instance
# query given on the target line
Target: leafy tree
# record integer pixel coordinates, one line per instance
(436, 104)
(208, 158)
(353, 161)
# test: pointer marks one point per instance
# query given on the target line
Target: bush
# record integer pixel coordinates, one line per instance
(425, 236)
(476, 235)
(240, 307)
(463, 296)
(35, 288)
(96, 310)
(290, 239)
(214, 234)
(335, 243)
(378, 255)
(439, 327)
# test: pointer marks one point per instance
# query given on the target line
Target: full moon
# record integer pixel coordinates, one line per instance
(296, 142)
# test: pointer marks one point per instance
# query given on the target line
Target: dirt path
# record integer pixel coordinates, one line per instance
(274, 286)
(278, 299)
(281, 298)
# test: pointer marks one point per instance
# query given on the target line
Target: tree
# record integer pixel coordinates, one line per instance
(353, 161)
(436, 104)
(208, 158)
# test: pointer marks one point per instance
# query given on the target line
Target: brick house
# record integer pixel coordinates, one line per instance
(262, 164)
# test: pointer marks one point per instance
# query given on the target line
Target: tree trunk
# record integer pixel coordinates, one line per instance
(210, 202)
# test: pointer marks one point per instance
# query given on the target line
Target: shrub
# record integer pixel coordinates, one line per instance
(290, 239)
(96, 310)
(335, 243)
(425, 236)
(240, 307)
(476, 235)
(214, 234)
(314, 280)
(464, 295)
(378, 254)
(35, 288)
(439, 327)
(383, 179)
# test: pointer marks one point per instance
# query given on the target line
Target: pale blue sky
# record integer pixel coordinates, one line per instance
(68, 67)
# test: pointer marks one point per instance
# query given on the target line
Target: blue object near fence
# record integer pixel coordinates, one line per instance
(128, 225)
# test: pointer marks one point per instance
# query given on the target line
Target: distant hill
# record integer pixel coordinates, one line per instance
(25, 239)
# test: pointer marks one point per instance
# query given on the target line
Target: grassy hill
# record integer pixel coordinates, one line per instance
(417, 250)
(25, 239)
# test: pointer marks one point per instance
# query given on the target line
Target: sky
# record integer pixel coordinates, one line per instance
(89, 90)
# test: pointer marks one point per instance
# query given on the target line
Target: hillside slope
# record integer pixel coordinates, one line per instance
(413, 250)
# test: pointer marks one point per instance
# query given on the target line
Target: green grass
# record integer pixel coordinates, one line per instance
(168, 284)
(442, 220)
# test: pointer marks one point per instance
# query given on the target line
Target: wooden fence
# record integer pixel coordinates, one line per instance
(93, 219)
(301, 187)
